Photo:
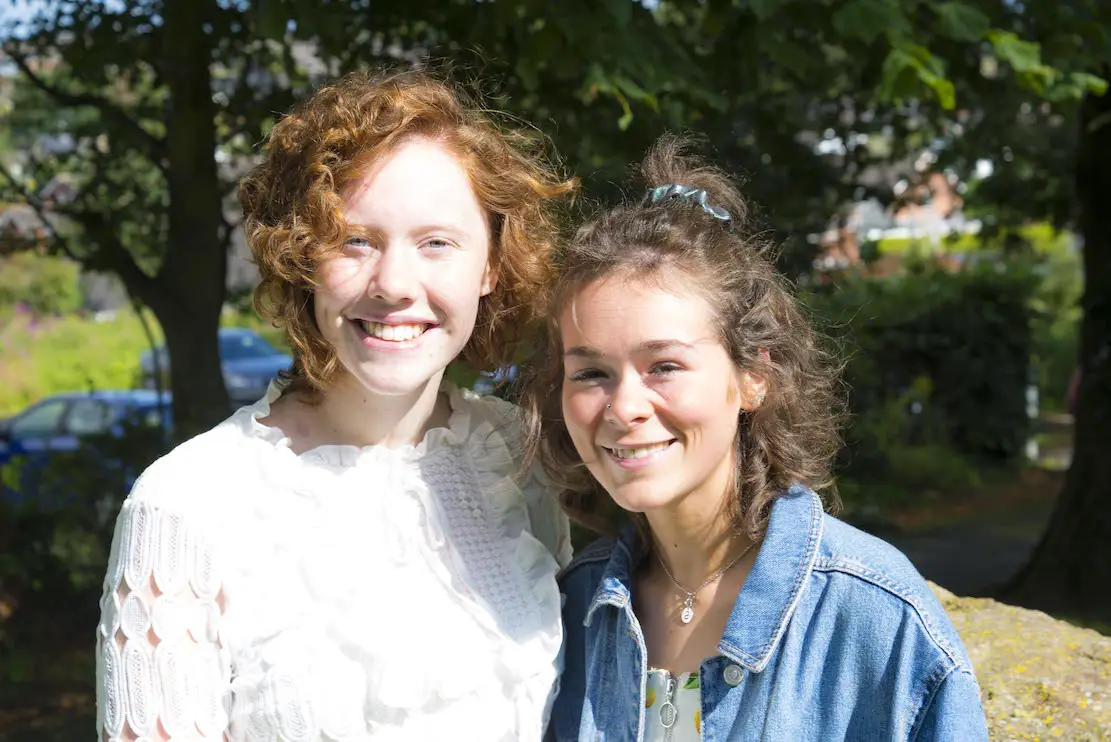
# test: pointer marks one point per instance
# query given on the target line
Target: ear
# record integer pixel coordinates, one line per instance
(754, 387)
(489, 279)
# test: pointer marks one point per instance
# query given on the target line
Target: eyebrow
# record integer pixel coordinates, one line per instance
(360, 229)
(584, 351)
(451, 229)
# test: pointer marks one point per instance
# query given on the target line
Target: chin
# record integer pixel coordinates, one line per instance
(394, 379)
(639, 498)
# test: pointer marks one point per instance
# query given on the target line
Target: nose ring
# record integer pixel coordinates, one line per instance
(609, 407)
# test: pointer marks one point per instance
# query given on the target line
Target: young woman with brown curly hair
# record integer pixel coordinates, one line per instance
(354, 557)
(682, 383)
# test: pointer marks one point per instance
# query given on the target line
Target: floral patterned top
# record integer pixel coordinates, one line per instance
(677, 721)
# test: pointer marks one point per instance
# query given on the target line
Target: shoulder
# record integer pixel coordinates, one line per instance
(486, 410)
(584, 572)
(862, 571)
(194, 472)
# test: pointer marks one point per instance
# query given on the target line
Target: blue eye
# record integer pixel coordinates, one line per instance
(359, 245)
(437, 244)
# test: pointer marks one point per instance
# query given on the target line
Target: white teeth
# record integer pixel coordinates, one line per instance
(396, 333)
(641, 452)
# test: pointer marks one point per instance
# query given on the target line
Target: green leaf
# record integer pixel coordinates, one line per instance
(1088, 83)
(910, 65)
(634, 91)
(1024, 56)
(962, 22)
(900, 75)
(867, 20)
(692, 682)
(944, 90)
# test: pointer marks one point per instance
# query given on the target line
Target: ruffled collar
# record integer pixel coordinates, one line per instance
(457, 432)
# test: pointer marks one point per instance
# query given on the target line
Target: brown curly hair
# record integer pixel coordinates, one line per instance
(793, 436)
(293, 204)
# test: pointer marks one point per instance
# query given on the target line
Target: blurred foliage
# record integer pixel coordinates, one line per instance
(935, 357)
(120, 98)
(56, 544)
(1055, 305)
(50, 355)
(1039, 238)
(44, 356)
(41, 284)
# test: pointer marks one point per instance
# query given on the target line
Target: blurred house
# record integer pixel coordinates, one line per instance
(926, 206)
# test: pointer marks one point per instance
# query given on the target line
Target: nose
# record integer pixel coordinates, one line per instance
(629, 405)
(395, 279)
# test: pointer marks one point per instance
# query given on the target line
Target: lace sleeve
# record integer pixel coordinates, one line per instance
(161, 671)
(549, 522)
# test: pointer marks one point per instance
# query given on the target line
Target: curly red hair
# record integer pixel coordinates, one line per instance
(293, 204)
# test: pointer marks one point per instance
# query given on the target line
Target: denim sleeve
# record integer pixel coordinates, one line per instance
(954, 712)
(567, 711)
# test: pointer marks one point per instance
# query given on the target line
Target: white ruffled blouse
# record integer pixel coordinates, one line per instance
(342, 594)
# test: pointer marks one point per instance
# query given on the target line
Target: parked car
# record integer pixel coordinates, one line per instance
(248, 361)
(38, 447)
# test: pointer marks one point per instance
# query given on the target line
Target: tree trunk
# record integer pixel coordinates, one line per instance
(194, 274)
(1070, 571)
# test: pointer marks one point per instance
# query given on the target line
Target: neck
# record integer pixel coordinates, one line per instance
(695, 536)
(351, 414)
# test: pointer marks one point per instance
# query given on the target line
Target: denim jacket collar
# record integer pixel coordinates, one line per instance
(770, 593)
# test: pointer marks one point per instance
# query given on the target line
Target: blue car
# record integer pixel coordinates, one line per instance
(38, 447)
(247, 360)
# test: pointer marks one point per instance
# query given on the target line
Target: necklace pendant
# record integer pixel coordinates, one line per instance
(688, 611)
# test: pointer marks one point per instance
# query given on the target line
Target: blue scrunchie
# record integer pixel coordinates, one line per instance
(686, 193)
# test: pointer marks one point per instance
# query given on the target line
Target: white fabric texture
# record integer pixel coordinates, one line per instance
(342, 594)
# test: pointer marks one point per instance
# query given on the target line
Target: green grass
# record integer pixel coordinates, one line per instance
(63, 354)
(52, 355)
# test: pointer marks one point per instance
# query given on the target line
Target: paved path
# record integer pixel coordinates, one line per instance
(972, 558)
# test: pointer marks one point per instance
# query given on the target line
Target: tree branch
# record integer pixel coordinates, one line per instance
(112, 255)
(151, 145)
(60, 243)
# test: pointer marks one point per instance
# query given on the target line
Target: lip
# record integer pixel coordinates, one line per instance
(372, 343)
(641, 463)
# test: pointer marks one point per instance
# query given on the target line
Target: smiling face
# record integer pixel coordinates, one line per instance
(650, 396)
(399, 302)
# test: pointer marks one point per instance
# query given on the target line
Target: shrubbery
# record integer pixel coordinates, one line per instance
(940, 363)
(42, 285)
(954, 346)
(49, 355)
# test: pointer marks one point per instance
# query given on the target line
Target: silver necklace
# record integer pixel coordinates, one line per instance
(687, 615)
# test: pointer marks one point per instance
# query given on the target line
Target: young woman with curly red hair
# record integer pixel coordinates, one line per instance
(354, 557)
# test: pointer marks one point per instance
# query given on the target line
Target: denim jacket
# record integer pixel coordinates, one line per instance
(834, 636)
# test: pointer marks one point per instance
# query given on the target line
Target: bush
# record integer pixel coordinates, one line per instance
(1057, 325)
(41, 284)
(952, 349)
(56, 544)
